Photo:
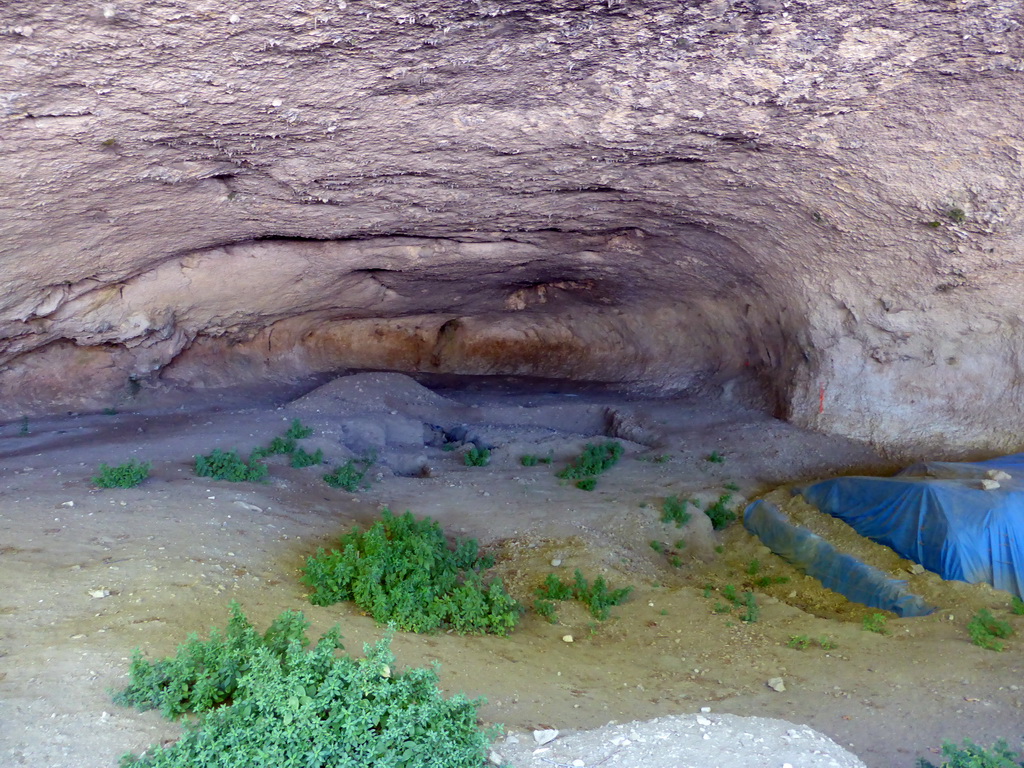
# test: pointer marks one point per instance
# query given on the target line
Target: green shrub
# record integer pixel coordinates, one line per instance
(297, 431)
(987, 631)
(268, 701)
(477, 457)
(594, 460)
(751, 610)
(715, 457)
(799, 642)
(673, 510)
(970, 755)
(279, 446)
(597, 596)
(546, 608)
(349, 476)
(875, 622)
(127, 475)
(720, 513)
(530, 460)
(402, 571)
(1017, 606)
(300, 458)
(221, 465)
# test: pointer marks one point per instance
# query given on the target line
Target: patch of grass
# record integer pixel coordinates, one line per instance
(754, 567)
(546, 609)
(228, 465)
(658, 546)
(970, 755)
(279, 446)
(351, 475)
(719, 512)
(720, 549)
(957, 215)
(715, 458)
(1017, 606)
(722, 607)
(875, 622)
(127, 475)
(987, 631)
(402, 571)
(270, 700)
(675, 561)
(300, 458)
(673, 510)
(766, 581)
(729, 593)
(827, 643)
(596, 596)
(594, 460)
(731, 487)
(477, 457)
(799, 642)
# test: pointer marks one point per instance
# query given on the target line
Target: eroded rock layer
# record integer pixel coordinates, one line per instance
(823, 199)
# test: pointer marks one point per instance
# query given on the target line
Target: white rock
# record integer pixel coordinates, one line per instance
(567, 638)
(97, 593)
(68, 504)
(555, 563)
(701, 720)
(917, 568)
(989, 485)
(545, 736)
(999, 475)
(777, 684)
(495, 758)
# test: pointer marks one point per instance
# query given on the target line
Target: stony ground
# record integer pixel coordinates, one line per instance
(90, 574)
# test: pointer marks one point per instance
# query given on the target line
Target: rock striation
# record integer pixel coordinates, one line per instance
(823, 201)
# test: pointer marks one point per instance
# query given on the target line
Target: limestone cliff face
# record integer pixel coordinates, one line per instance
(824, 198)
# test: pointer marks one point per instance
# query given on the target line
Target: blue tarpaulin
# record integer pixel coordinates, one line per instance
(937, 514)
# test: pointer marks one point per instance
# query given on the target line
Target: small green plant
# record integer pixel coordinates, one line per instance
(675, 561)
(300, 458)
(477, 457)
(827, 643)
(766, 581)
(1017, 606)
(680, 543)
(297, 431)
(731, 487)
(596, 596)
(729, 593)
(530, 460)
(402, 571)
(658, 546)
(719, 512)
(228, 465)
(708, 589)
(933, 224)
(24, 431)
(279, 446)
(957, 215)
(799, 642)
(751, 610)
(754, 567)
(127, 475)
(546, 609)
(673, 510)
(350, 475)
(987, 631)
(715, 458)
(875, 622)
(110, 411)
(594, 460)
(722, 607)
(970, 755)
(271, 700)
(720, 549)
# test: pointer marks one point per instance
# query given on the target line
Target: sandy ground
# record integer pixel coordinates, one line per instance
(88, 575)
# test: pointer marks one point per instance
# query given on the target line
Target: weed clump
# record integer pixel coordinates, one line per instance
(301, 458)
(228, 465)
(594, 460)
(970, 755)
(875, 622)
(532, 460)
(673, 510)
(267, 700)
(350, 475)
(127, 475)
(597, 596)
(477, 457)
(402, 571)
(987, 631)
(719, 512)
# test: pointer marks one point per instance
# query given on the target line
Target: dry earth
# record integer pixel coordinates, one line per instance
(173, 552)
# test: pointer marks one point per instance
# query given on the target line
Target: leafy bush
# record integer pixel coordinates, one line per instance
(673, 510)
(267, 701)
(597, 596)
(720, 513)
(530, 460)
(1017, 606)
(477, 457)
(221, 465)
(349, 476)
(300, 458)
(594, 460)
(970, 755)
(127, 475)
(279, 446)
(987, 631)
(715, 458)
(297, 431)
(402, 571)
(875, 622)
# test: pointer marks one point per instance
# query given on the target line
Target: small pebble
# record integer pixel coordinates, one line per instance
(555, 563)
